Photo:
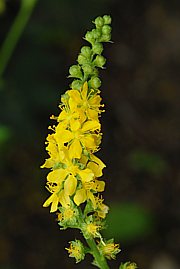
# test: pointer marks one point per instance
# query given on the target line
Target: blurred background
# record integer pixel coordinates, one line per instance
(141, 141)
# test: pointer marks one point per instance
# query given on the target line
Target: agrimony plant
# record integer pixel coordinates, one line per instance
(74, 179)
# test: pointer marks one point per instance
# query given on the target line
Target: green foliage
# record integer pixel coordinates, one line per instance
(5, 135)
(127, 222)
(2, 6)
(147, 162)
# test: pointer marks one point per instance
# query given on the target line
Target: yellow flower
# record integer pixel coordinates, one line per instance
(53, 151)
(87, 190)
(85, 100)
(62, 183)
(79, 136)
(101, 209)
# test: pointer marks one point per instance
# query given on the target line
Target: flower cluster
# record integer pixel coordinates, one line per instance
(75, 169)
(74, 179)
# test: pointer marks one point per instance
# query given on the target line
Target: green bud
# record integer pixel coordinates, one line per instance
(107, 19)
(76, 84)
(106, 30)
(89, 37)
(88, 69)
(105, 38)
(96, 33)
(86, 51)
(99, 22)
(75, 71)
(82, 59)
(99, 61)
(95, 82)
(128, 265)
(97, 48)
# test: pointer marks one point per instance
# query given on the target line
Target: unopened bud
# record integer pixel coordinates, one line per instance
(105, 38)
(106, 29)
(99, 22)
(89, 37)
(97, 48)
(107, 19)
(88, 69)
(75, 71)
(96, 33)
(95, 83)
(99, 61)
(82, 59)
(76, 84)
(86, 51)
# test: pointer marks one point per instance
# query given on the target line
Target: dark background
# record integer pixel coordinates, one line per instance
(141, 141)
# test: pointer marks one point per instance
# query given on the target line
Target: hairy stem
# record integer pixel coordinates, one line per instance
(100, 259)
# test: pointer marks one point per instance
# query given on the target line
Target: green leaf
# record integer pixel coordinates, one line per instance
(127, 222)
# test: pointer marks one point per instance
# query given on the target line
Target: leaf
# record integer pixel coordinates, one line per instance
(127, 222)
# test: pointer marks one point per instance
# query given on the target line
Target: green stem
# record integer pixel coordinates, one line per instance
(100, 259)
(15, 33)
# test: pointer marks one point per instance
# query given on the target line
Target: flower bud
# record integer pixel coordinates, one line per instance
(128, 265)
(106, 30)
(86, 51)
(95, 82)
(105, 38)
(107, 19)
(89, 37)
(82, 59)
(96, 33)
(76, 84)
(99, 22)
(88, 69)
(75, 71)
(99, 61)
(97, 48)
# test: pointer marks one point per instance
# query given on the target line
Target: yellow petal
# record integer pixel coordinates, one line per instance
(86, 175)
(96, 166)
(91, 197)
(80, 197)
(98, 161)
(91, 125)
(54, 205)
(99, 185)
(75, 125)
(74, 100)
(70, 185)
(63, 136)
(95, 100)
(64, 199)
(48, 163)
(52, 199)
(75, 149)
(57, 176)
(84, 91)
(92, 114)
(89, 142)
(62, 115)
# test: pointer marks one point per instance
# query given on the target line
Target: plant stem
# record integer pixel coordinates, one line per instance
(100, 259)
(15, 33)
